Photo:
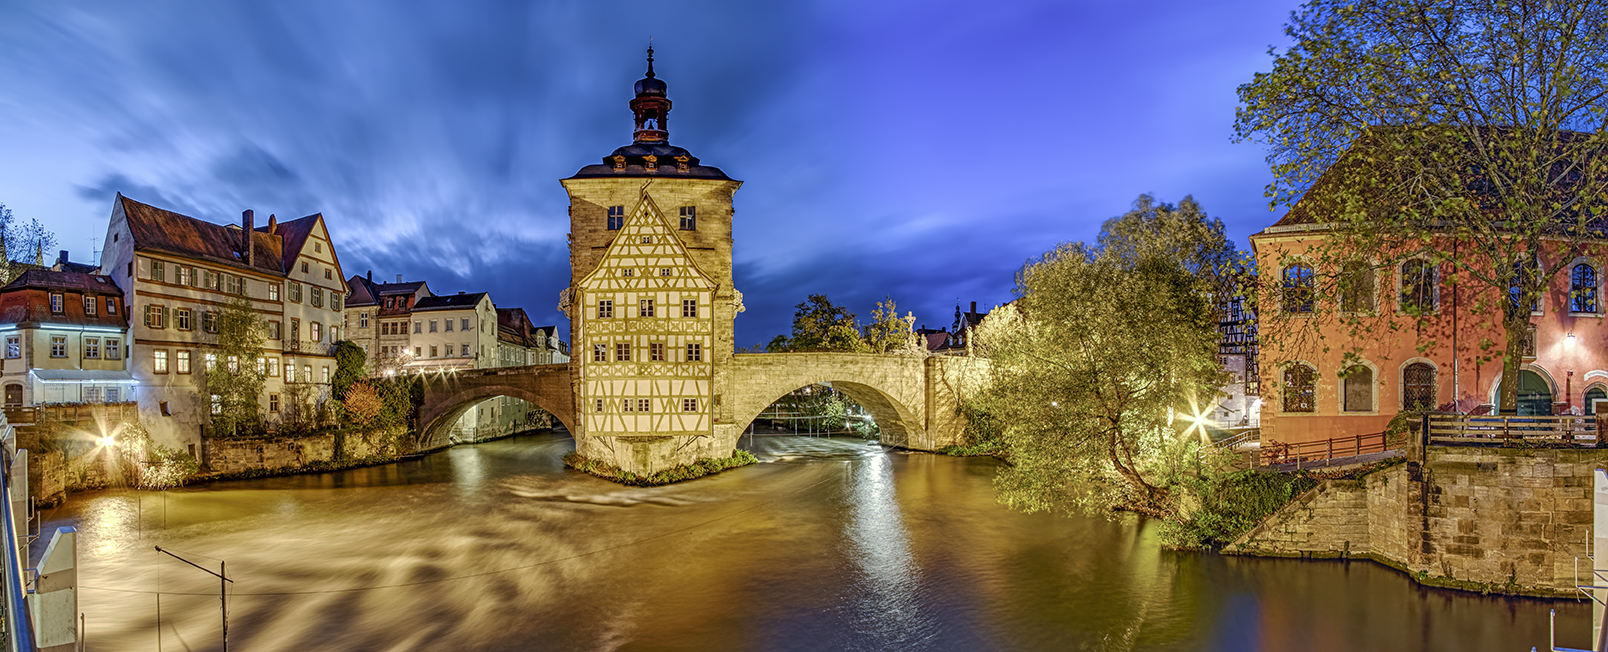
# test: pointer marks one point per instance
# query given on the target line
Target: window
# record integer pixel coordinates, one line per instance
(605, 308)
(217, 404)
(273, 367)
(159, 363)
(211, 360)
(1359, 389)
(448, 325)
(433, 350)
(89, 306)
(600, 353)
(304, 267)
(334, 300)
(329, 274)
(689, 307)
(158, 271)
(318, 297)
(326, 373)
(463, 324)
(181, 319)
(416, 326)
(599, 403)
(1357, 287)
(448, 352)
(664, 271)
(295, 292)
(1418, 386)
(656, 351)
(231, 284)
(647, 239)
(689, 405)
(113, 395)
(114, 349)
(362, 320)
(307, 373)
(92, 348)
(1300, 389)
(290, 372)
(627, 405)
(273, 291)
(689, 218)
(645, 308)
(316, 331)
(209, 321)
(13, 346)
(694, 352)
(273, 402)
(273, 330)
(466, 351)
(628, 272)
(643, 405)
(1298, 290)
(55, 303)
(262, 367)
(616, 218)
(13, 395)
(164, 408)
(181, 361)
(622, 352)
(92, 394)
(1583, 289)
(334, 334)
(111, 306)
(295, 330)
(418, 351)
(58, 346)
(318, 248)
(432, 325)
(1417, 286)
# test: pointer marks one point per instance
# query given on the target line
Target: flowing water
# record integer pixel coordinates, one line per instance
(829, 544)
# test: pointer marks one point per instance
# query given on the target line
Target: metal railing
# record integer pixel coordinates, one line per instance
(18, 632)
(1308, 453)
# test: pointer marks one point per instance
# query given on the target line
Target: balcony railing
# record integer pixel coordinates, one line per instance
(1458, 429)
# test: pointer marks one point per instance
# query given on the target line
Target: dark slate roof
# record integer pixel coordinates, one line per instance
(368, 293)
(157, 229)
(449, 301)
(80, 282)
(85, 268)
(635, 164)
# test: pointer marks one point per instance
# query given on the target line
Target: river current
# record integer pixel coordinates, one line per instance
(828, 544)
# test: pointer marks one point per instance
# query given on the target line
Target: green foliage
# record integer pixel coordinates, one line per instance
(890, 333)
(350, 367)
(236, 380)
(363, 404)
(1089, 365)
(1217, 508)
(698, 469)
(818, 325)
(140, 462)
(1469, 134)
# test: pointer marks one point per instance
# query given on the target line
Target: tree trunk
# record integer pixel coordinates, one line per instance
(1517, 325)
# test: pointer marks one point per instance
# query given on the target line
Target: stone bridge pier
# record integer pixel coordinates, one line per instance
(449, 394)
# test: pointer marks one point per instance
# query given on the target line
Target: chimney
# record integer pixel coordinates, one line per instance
(974, 308)
(63, 259)
(371, 276)
(273, 224)
(248, 224)
(399, 278)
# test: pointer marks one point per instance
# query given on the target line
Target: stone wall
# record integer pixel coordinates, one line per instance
(1503, 519)
(237, 455)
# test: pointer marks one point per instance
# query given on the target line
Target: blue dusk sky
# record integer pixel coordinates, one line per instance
(923, 150)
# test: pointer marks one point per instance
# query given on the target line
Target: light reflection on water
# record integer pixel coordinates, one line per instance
(832, 544)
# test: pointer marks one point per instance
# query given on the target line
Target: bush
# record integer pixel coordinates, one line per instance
(1217, 508)
(697, 469)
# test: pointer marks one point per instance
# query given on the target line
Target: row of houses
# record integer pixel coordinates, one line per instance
(141, 324)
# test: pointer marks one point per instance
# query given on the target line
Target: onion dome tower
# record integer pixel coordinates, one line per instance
(651, 107)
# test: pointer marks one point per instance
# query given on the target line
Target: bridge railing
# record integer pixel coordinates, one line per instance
(1308, 453)
(13, 553)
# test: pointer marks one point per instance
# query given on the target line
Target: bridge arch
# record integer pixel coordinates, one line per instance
(890, 388)
(448, 397)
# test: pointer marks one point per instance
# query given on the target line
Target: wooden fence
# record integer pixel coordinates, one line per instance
(1307, 452)
(1458, 429)
(111, 412)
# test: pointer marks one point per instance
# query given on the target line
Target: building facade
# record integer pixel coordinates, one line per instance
(453, 331)
(66, 339)
(651, 301)
(178, 272)
(379, 319)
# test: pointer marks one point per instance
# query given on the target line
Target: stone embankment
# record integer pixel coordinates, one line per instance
(228, 456)
(1508, 520)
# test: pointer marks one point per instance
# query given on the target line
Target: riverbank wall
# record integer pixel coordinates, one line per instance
(239, 455)
(1507, 520)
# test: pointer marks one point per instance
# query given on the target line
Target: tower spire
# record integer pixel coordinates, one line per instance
(650, 57)
(651, 106)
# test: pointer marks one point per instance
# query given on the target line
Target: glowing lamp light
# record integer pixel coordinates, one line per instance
(107, 441)
(1570, 338)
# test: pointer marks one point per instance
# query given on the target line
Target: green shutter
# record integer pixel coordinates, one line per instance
(147, 313)
(164, 316)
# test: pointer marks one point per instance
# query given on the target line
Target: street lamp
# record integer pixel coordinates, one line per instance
(107, 441)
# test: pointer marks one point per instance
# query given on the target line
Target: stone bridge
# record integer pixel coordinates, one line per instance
(914, 400)
(448, 395)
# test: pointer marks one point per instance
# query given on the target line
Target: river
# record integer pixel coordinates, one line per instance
(828, 544)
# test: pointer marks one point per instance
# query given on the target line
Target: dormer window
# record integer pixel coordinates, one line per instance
(619, 163)
(89, 306)
(616, 218)
(650, 162)
(55, 303)
(682, 163)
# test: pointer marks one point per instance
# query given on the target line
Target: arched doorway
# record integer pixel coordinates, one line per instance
(1596, 393)
(1535, 395)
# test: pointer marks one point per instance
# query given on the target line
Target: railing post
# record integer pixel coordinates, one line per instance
(1329, 448)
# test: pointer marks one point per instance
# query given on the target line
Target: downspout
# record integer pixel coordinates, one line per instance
(1457, 386)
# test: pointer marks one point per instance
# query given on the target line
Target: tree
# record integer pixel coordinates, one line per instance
(1103, 346)
(890, 333)
(1420, 128)
(349, 368)
(21, 241)
(818, 325)
(363, 403)
(235, 377)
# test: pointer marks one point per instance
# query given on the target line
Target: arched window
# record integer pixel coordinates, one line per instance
(1583, 289)
(1417, 285)
(1300, 389)
(1357, 286)
(1418, 386)
(1359, 389)
(1596, 393)
(1298, 288)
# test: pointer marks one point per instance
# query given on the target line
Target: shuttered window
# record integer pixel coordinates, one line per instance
(1359, 386)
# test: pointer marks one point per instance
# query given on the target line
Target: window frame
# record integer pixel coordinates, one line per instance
(1310, 393)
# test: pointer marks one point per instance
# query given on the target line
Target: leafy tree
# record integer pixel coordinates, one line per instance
(1104, 344)
(363, 403)
(235, 380)
(890, 333)
(1470, 134)
(350, 360)
(818, 325)
(22, 241)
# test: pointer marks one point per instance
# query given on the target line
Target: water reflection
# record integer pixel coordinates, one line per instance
(830, 544)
